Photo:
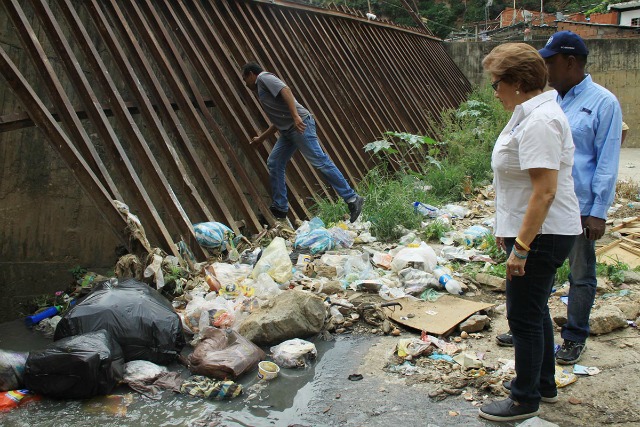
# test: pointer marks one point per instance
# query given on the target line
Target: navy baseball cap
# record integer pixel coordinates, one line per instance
(564, 42)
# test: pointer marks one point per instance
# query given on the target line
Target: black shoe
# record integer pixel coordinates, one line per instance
(505, 340)
(508, 410)
(355, 208)
(545, 397)
(277, 213)
(570, 353)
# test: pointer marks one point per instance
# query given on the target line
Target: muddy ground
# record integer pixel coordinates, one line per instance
(384, 398)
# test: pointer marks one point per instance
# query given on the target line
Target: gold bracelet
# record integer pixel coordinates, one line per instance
(525, 247)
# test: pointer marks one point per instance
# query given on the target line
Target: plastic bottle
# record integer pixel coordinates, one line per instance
(212, 280)
(44, 314)
(634, 205)
(443, 274)
(338, 317)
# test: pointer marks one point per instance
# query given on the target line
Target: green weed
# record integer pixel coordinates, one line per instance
(78, 272)
(614, 272)
(434, 230)
(562, 273)
(496, 253)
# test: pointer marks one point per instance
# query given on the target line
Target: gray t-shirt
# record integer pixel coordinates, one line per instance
(269, 87)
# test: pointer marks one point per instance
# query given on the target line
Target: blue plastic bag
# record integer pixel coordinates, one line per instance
(211, 234)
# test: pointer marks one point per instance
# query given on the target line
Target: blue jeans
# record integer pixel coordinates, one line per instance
(529, 319)
(582, 290)
(307, 142)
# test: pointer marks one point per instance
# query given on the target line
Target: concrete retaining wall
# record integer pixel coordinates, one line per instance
(615, 64)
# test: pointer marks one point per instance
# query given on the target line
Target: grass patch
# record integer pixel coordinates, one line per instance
(459, 154)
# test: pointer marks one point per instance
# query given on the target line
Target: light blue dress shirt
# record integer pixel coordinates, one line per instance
(595, 118)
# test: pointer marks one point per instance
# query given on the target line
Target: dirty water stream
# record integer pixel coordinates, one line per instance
(320, 395)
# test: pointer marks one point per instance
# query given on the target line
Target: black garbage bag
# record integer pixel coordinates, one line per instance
(76, 367)
(141, 320)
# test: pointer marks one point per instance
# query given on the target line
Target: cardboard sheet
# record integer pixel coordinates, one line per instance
(437, 318)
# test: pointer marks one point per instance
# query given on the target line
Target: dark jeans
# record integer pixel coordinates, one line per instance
(582, 290)
(529, 319)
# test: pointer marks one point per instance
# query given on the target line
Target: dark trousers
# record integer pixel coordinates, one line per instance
(529, 319)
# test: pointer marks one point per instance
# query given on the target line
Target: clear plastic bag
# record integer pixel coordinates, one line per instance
(275, 261)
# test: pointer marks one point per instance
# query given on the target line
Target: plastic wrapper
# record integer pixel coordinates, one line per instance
(155, 270)
(142, 371)
(265, 287)
(231, 273)
(294, 353)
(317, 241)
(14, 398)
(212, 234)
(76, 367)
(474, 235)
(341, 237)
(203, 312)
(141, 320)
(12, 370)
(275, 262)
(224, 354)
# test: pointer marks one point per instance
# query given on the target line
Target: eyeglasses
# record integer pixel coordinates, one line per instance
(494, 85)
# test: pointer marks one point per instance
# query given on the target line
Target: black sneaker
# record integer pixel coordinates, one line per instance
(545, 397)
(277, 213)
(355, 208)
(505, 340)
(570, 353)
(508, 410)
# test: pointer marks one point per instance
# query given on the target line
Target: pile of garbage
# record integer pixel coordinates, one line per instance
(252, 304)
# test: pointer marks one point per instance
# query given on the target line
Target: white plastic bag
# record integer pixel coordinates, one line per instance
(294, 353)
(422, 257)
(155, 269)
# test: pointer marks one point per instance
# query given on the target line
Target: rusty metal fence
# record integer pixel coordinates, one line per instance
(144, 100)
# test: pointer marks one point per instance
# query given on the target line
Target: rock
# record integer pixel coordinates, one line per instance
(323, 270)
(560, 319)
(475, 323)
(494, 282)
(464, 335)
(575, 401)
(395, 332)
(603, 287)
(631, 277)
(332, 287)
(386, 326)
(294, 314)
(630, 309)
(500, 309)
(606, 319)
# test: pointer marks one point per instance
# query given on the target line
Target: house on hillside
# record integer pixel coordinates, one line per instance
(628, 13)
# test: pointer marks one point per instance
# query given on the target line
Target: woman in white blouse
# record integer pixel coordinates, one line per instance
(537, 219)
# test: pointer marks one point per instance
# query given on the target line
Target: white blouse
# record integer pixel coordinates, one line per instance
(537, 136)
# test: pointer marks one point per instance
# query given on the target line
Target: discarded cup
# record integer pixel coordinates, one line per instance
(267, 370)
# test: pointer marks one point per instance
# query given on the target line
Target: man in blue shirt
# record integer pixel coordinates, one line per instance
(595, 118)
(297, 132)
